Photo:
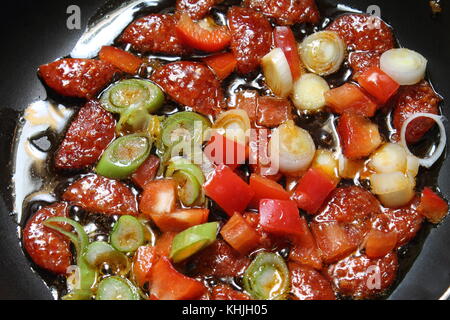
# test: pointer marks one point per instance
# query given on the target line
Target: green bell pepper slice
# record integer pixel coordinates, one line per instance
(128, 234)
(124, 156)
(192, 240)
(267, 277)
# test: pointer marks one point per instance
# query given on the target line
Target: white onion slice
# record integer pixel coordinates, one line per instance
(426, 162)
(389, 158)
(236, 124)
(323, 52)
(309, 92)
(394, 189)
(405, 66)
(327, 162)
(277, 72)
(291, 148)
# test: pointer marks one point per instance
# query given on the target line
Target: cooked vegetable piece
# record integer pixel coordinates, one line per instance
(323, 52)
(273, 111)
(360, 61)
(309, 284)
(123, 60)
(99, 194)
(180, 219)
(192, 84)
(350, 98)
(325, 160)
(116, 288)
(132, 93)
(432, 206)
(284, 38)
(192, 240)
(265, 188)
(146, 172)
(359, 136)
(222, 64)
(100, 252)
(293, 147)
(363, 32)
(280, 217)
(128, 234)
(223, 151)
(394, 189)
(267, 277)
(404, 66)
(305, 250)
(313, 189)
(234, 124)
(79, 78)
(124, 156)
(309, 92)
(378, 84)
(251, 37)
(391, 157)
(239, 234)
(169, 284)
(230, 192)
(159, 197)
(287, 12)
(155, 33)
(47, 248)
(381, 239)
(207, 37)
(143, 261)
(277, 72)
(87, 137)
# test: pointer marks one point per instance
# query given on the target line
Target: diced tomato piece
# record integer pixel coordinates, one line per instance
(360, 61)
(309, 284)
(265, 188)
(219, 260)
(146, 172)
(222, 64)
(379, 243)
(332, 240)
(123, 60)
(223, 151)
(305, 250)
(48, 248)
(224, 292)
(143, 261)
(359, 136)
(180, 219)
(89, 134)
(432, 206)
(363, 278)
(230, 192)
(313, 189)
(272, 111)
(79, 78)
(350, 98)
(164, 244)
(378, 84)
(209, 40)
(168, 284)
(158, 199)
(239, 234)
(284, 39)
(102, 195)
(280, 217)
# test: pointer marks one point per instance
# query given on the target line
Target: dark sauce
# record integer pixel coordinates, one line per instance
(321, 126)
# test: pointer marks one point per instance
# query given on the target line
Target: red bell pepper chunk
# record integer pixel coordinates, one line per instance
(378, 84)
(143, 261)
(125, 61)
(432, 206)
(222, 64)
(181, 219)
(194, 35)
(284, 39)
(146, 172)
(239, 234)
(221, 150)
(168, 284)
(280, 217)
(350, 98)
(164, 244)
(313, 189)
(158, 199)
(265, 188)
(359, 136)
(230, 192)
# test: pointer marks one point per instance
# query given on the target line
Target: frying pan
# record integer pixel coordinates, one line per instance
(35, 32)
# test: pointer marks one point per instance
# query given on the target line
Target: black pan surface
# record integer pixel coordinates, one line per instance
(35, 32)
